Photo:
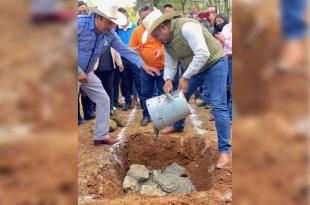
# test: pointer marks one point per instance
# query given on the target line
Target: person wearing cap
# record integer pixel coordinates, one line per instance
(152, 53)
(95, 34)
(202, 56)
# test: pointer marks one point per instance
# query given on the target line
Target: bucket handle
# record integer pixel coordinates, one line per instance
(170, 95)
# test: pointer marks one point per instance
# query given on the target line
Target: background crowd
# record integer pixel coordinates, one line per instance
(128, 86)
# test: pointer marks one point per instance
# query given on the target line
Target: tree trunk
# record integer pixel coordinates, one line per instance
(183, 3)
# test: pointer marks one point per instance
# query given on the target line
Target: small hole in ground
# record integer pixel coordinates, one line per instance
(192, 153)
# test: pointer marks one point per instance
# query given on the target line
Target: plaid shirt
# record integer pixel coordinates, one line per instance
(91, 45)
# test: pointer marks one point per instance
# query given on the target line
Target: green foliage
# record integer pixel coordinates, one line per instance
(133, 17)
(181, 6)
(184, 6)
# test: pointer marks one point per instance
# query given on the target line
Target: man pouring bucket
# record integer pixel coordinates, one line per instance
(187, 41)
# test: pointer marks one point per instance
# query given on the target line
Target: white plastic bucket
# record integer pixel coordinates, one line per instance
(167, 109)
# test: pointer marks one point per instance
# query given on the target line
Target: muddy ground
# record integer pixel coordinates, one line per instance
(102, 169)
(271, 124)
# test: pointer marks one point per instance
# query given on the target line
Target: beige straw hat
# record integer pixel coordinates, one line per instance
(109, 11)
(154, 19)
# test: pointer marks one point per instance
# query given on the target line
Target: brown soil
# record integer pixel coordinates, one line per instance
(102, 169)
(39, 170)
(191, 153)
(37, 91)
(270, 157)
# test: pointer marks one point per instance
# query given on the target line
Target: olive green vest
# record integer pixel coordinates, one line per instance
(179, 49)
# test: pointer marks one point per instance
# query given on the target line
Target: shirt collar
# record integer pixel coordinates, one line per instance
(126, 28)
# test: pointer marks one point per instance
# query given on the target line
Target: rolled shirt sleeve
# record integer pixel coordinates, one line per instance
(193, 34)
(125, 51)
(170, 67)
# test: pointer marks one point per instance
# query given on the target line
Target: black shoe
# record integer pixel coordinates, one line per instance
(127, 106)
(208, 106)
(145, 121)
(89, 116)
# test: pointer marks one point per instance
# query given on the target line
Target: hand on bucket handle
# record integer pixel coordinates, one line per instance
(169, 95)
(168, 86)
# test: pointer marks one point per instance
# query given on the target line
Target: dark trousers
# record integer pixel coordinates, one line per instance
(131, 75)
(107, 78)
(175, 82)
(116, 85)
(147, 86)
(87, 105)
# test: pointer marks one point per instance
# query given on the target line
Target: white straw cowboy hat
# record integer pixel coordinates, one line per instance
(154, 19)
(108, 11)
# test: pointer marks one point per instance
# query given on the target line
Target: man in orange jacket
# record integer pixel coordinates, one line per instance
(152, 52)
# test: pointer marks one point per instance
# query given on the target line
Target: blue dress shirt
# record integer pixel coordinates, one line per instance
(92, 44)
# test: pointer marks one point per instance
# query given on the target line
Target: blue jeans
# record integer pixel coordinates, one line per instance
(294, 24)
(118, 85)
(206, 96)
(155, 92)
(134, 91)
(147, 88)
(229, 100)
(215, 78)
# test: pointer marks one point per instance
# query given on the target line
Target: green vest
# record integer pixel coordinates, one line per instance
(179, 49)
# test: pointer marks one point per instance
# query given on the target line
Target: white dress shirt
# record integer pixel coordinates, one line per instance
(193, 34)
